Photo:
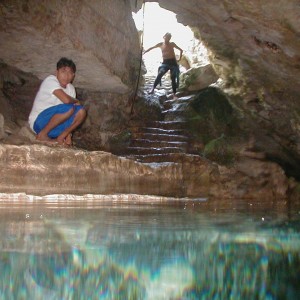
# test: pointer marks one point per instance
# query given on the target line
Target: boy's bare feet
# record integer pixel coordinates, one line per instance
(175, 97)
(151, 92)
(68, 140)
(45, 140)
(65, 140)
(43, 137)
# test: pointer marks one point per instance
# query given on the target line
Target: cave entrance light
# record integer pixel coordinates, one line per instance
(157, 21)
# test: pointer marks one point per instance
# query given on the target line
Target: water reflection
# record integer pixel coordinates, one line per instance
(180, 250)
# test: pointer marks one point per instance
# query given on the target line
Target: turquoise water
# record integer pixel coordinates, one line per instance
(174, 250)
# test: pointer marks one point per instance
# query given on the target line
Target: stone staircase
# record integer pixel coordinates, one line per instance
(162, 141)
(158, 141)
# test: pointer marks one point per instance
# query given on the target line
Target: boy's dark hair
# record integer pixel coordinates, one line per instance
(65, 62)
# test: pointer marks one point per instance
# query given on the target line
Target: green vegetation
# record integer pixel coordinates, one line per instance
(189, 78)
(210, 115)
(120, 141)
(220, 151)
(212, 121)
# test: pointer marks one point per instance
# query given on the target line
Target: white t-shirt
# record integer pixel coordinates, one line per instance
(45, 97)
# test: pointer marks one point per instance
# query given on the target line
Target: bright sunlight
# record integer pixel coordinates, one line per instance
(158, 21)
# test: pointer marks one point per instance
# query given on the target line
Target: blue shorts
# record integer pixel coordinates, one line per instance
(45, 116)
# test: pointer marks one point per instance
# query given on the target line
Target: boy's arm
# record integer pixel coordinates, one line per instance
(178, 48)
(149, 49)
(65, 98)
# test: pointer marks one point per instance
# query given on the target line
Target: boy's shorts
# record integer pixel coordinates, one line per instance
(45, 116)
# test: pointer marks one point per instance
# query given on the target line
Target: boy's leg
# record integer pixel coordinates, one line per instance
(68, 140)
(65, 136)
(58, 122)
(54, 121)
(174, 83)
(161, 72)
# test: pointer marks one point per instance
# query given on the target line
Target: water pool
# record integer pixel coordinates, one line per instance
(189, 249)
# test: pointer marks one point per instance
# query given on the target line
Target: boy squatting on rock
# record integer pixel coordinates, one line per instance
(56, 113)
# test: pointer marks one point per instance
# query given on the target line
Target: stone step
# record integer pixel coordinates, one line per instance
(162, 141)
(160, 137)
(176, 107)
(174, 116)
(157, 130)
(157, 158)
(182, 98)
(150, 151)
(177, 102)
(158, 144)
(167, 125)
(173, 112)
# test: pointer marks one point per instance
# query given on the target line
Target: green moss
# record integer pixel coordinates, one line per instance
(210, 115)
(211, 100)
(122, 137)
(118, 143)
(220, 151)
(189, 78)
(148, 109)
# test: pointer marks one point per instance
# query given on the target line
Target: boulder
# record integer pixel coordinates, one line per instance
(198, 78)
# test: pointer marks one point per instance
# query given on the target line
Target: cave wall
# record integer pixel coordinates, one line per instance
(252, 43)
(108, 113)
(254, 47)
(100, 37)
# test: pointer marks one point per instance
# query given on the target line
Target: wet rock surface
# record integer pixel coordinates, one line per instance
(163, 157)
(253, 48)
(42, 170)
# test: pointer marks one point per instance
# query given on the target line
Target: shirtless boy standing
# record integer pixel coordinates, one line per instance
(169, 62)
(56, 113)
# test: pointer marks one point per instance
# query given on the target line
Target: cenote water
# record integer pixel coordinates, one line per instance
(162, 250)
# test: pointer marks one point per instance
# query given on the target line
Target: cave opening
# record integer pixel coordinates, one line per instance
(152, 22)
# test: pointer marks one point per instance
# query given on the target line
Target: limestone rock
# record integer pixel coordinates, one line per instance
(100, 36)
(198, 78)
(249, 176)
(42, 170)
(23, 136)
(253, 46)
